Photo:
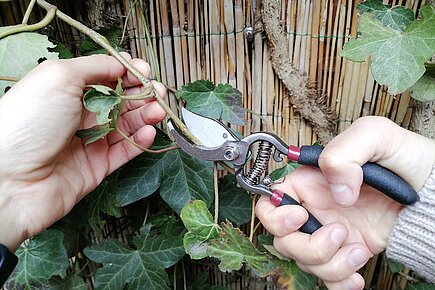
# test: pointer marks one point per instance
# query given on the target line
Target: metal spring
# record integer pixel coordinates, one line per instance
(261, 162)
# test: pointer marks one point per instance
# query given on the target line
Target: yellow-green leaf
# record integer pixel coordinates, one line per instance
(101, 100)
(19, 53)
(397, 57)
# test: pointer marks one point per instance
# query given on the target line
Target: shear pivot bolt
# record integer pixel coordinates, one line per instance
(230, 153)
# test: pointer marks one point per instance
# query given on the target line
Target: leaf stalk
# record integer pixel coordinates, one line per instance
(51, 12)
(28, 11)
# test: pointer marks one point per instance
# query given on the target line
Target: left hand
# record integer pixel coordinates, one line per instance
(44, 169)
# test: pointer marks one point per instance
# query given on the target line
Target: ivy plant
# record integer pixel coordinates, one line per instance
(165, 197)
(400, 47)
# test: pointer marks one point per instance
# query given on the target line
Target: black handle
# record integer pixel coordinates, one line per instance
(374, 175)
(312, 223)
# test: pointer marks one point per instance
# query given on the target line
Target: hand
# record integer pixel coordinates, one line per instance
(44, 169)
(357, 220)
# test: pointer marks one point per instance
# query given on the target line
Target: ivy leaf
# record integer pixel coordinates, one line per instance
(234, 248)
(419, 286)
(62, 49)
(71, 282)
(180, 177)
(218, 102)
(94, 133)
(140, 268)
(235, 203)
(201, 228)
(424, 89)
(103, 199)
(394, 266)
(397, 18)
(42, 257)
(89, 47)
(397, 57)
(297, 280)
(283, 171)
(101, 100)
(19, 53)
(289, 274)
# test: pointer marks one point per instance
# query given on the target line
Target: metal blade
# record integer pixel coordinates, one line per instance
(211, 133)
(200, 151)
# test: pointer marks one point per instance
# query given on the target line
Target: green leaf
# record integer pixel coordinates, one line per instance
(62, 49)
(218, 102)
(424, 89)
(101, 100)
(397, 57)
(397, 18)
(94, 134)
(298, 280)
(266, 242)
(420, 286)
(235, 203)
(89, 47)
(233, 249)
(198, 220)
(201, 228)
(71, 282)
(103, 200)
(394, 266)
(75, 229)
(140, 268)
(180, 177)
(19, 53)
(283, 171)
(40, 258)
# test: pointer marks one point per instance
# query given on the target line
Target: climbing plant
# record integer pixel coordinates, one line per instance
(165, 196)
(400, 47)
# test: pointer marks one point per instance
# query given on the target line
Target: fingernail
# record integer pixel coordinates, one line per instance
(353, 285)
(293, 220)
(338, 235)
(358, 258)
(341, 192)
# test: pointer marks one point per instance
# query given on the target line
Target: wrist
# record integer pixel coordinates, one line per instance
(11, 231)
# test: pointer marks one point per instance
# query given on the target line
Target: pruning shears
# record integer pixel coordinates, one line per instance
(219, 143)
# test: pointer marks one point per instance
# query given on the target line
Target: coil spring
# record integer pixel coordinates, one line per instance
(261, 162)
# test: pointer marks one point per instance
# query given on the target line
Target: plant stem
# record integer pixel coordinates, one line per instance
(127, 18)
(28, 12)
(141, 96)
(51, 12)
(145, 149)
(153, 57)
(216, 192)
(9, 79)
(103, 42)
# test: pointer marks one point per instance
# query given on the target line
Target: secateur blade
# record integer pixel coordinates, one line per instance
(211, 133)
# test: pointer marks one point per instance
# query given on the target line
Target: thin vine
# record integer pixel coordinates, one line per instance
(103, 42)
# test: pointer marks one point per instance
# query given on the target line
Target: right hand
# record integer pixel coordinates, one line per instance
(357, 220)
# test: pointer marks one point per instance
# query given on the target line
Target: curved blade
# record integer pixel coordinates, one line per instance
(211, 133)
(200, 151)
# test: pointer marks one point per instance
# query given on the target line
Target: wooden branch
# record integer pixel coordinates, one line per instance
(306, 99)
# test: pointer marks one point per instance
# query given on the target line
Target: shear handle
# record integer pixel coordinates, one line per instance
(374, 174)
(278, 198)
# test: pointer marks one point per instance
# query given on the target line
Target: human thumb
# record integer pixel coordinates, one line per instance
(373, 139)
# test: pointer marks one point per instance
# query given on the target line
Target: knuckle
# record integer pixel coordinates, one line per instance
(331, 159)
(320, 256)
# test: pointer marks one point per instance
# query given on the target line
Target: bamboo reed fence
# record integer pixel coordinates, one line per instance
(224, 41)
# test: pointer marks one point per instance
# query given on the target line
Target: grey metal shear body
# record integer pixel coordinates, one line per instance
(220, 144)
